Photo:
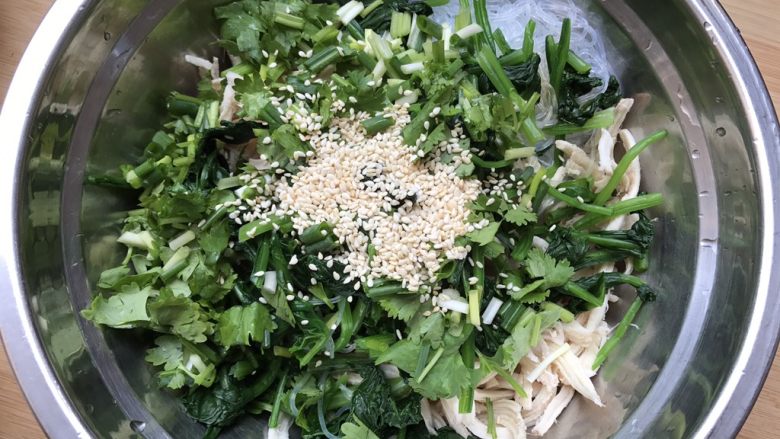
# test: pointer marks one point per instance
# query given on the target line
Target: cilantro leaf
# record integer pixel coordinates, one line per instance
(356, 431)
(428, 329)
(522, 336)
(436, 136)
(215, 240)
(520, 216)
(541, 265)
(401, 306)
(240, 324)
(484, 235)
(182, 365)
(181, 316)
(125, 309)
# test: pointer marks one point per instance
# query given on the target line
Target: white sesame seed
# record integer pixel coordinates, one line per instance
(304, 322)
(290, 297)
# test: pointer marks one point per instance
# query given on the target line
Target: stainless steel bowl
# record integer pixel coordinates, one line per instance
(89, 93)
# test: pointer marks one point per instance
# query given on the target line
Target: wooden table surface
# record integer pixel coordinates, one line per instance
(758, 20)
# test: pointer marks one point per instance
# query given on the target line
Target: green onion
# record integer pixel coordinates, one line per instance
(377, 124)
(491, 366)
(261, 263)
(314, 233)
(487, 60)
(273, 420)
(175, 264)
(481, 17)
(491, 427)
(622, 167)
(601, 119)
(512, 58)
(429, 27)
(253, 229)
(577, 291)
(436, 3)
(289, 20)
(487, 164)
(566, 315)
(530, 131)
(466, 399)
(510, 313)
(619, 333)
(501, 44)
(323, 246)
(536, 331)
(326, 34)
(573, 202)
(578, 64)
(229, 182)
(474, 311)
(355, 30)
(437, 50)
(216, 216)
(528, 40)
(519, 153)
(349, 11)
(400, 24)
(412, 67)
(181, 240)
(379, 45)
(370, 8)
(422, 359)
(322, 59)
(561, 56)
(468, 31)
(463, 18)
(385, 289)
(242, 69)
(415, 40)
(431, 364)
(366, 60)
(319, 292)
(179, 104)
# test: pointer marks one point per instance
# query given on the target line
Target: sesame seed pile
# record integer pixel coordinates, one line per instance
(376, 190)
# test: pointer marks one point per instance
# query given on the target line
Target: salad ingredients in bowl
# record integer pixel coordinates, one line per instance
(370, 223)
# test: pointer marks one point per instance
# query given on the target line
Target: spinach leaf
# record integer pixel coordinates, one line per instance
(373, 404)
(575, 85)
(524, 77)
(379, 19)
(226, 400)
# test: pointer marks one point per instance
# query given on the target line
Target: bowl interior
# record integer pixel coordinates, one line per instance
(105, 99)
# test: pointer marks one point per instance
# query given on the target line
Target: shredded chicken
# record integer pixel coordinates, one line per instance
(229, 106)
(560, 366)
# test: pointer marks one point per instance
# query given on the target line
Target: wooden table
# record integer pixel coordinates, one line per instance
(758, 19)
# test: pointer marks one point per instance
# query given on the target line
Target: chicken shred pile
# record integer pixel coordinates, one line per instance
(559, 367)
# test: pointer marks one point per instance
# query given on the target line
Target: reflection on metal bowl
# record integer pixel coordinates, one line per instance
(89, 94)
